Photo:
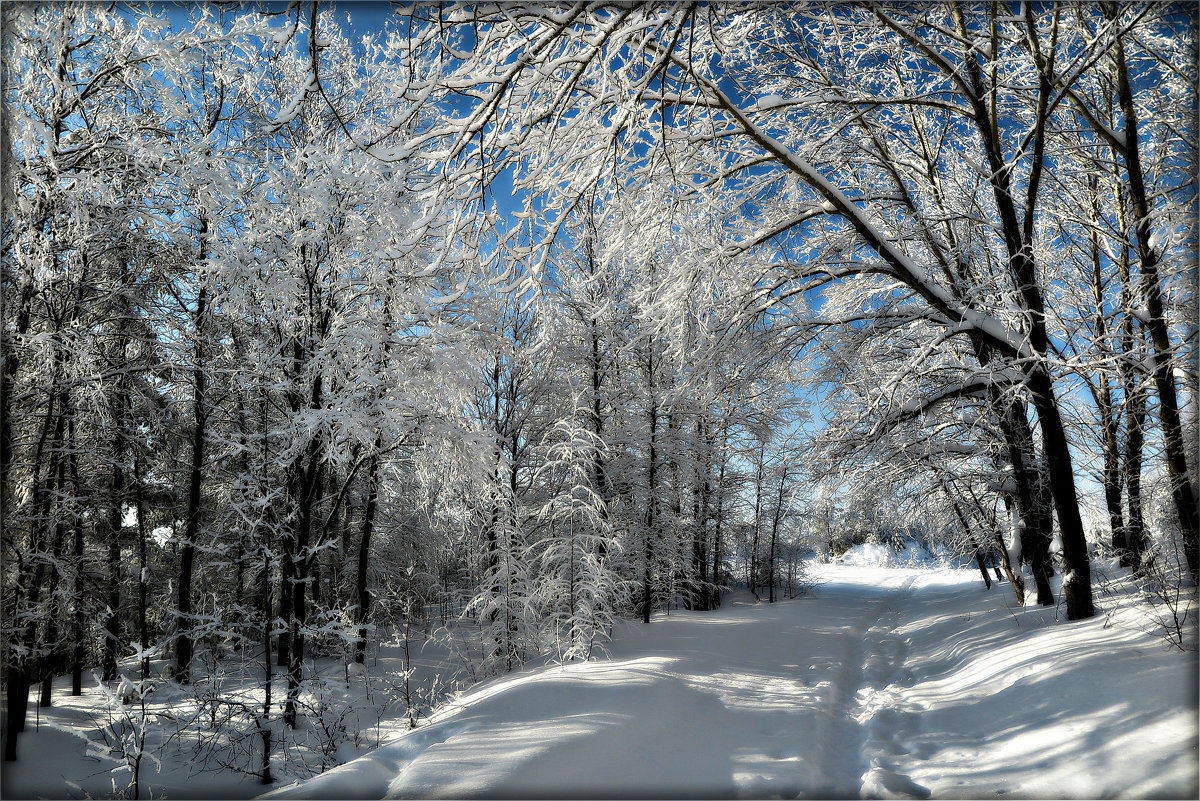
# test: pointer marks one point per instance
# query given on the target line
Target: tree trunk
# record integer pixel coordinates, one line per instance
(143, 566)
(1034, 518)
(80, 621)
(362, 612)
(25, 665)
(1135, 437)
(17, 674)
(1035, 541)
(758, 482)
(112, 624)
(651, 492)
(1014, 576)
(187, 551)
(1182, 493)
(1018, 239)
(599, 476)
(1111, 474)
(1101, 387)
(1077, 584)
(17, 697)
(50, 661)
(775, 533)
(287, 575)
(716, 564)
(987, 580)
(264, 719)
(307, 481)
(700, 514)
(962, 519)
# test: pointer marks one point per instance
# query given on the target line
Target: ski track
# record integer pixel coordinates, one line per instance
(885, 722)
(864, 728)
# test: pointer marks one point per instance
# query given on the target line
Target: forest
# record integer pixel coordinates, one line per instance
(323, 323)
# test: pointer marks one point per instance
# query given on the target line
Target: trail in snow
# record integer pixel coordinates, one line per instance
(873, 656)
(884, 683)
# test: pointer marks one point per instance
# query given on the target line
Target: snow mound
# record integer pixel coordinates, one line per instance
(870, 554)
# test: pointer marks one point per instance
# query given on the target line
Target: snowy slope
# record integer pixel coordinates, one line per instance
(882, 683)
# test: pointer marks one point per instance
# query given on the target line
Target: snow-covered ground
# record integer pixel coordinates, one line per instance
(883, 682)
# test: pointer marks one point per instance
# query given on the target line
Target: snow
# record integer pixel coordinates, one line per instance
(882, 555)
(768, 102)
(881, 682)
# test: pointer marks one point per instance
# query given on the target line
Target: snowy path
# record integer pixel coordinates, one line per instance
(883, 683)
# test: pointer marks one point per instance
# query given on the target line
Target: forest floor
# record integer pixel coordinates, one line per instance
(880, 682)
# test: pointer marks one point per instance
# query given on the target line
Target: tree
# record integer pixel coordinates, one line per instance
(1105, 100)
(776, 125)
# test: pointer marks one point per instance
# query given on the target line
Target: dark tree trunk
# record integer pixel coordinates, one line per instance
(1077, 585)
(1101, 387)
(25, 667)
(239, 578)
(758, 481)
(493, 545)
(679, 572)
(1034, 518)
(717, 526)
(1035, 545)
(967, 530)
(143, 566)
(308, 481)
(599, 476)
(1018, 238)
(987, 580)
(17, 697)
(80, 622)
(1135, 438)
(119, 405)
(287, 575)
(187, 551)
(112, 624)
(1175, 449)
(651, 495)
(264, 719)
(11, 360)
(21, 665)
(50, 661)
(363, 610)
(702, 594)
(1111, 474)
(1133, 387)
(775, 533)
